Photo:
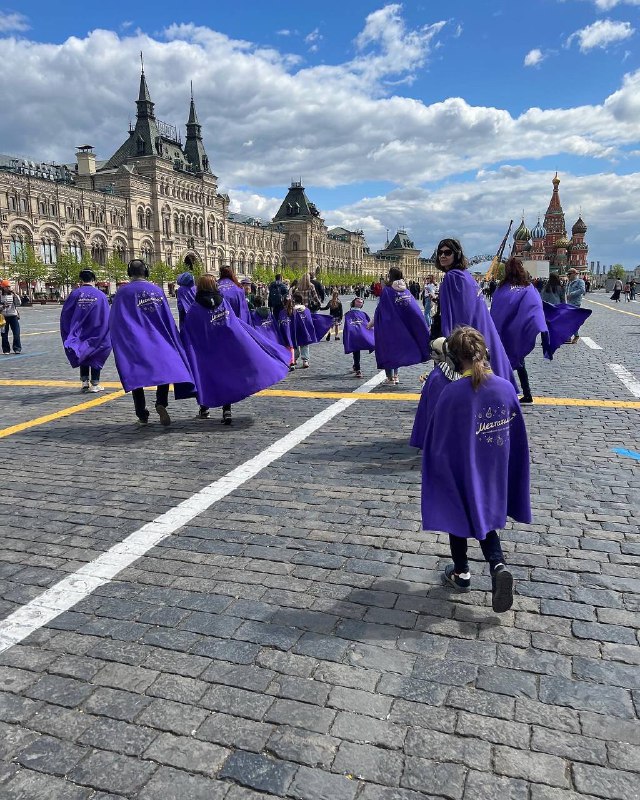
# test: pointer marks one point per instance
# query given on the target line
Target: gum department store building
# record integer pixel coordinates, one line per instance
(159, 200)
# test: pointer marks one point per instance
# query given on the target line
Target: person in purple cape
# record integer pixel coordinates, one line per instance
(303, 332)
(517, 313)
(475, 465)
(401, 331)
(440, 376)
(185, 294)
(84, 328)
(231, 289)
(263, 321)
(146, 344)
(460, 302)
(284, 327)
(356, 335)
(229, 359)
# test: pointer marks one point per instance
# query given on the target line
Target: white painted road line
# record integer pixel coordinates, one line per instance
(629, 380)
(590, 343)
(74, 588)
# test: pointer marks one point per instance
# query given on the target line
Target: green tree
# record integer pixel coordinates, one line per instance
(617, 271)
(7, 270)
(65, 271)
(29, 268)
(114, 270)
(161, 273)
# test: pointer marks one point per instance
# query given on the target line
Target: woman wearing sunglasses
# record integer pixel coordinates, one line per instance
(461, 303)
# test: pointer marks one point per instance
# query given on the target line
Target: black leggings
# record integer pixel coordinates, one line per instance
(523, 377)
(140, 404)
(490, 546)
(84, 373)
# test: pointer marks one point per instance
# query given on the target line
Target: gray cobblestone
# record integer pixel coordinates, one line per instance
(609, 783)
(535, 767)
(432, 778)
(369, 763)
(185, 752)
(259, 772)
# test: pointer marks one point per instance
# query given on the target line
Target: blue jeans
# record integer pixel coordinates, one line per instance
(95, 374)
(303, 351)
(14, 324)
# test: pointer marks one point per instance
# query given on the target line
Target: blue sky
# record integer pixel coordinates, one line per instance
(359, 99)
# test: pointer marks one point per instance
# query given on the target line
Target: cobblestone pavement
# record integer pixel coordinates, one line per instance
(294, 639)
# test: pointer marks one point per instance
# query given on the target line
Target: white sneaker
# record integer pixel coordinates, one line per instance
(85, 387)
(95, 388)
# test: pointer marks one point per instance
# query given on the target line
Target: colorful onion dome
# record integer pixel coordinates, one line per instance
(522, 234)
(563, 242)
(539, 232)
(579, 226)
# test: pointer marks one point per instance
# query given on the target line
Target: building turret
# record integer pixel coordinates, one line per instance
(520, 239)
(194, 146)
(579, 248)
(554, 221)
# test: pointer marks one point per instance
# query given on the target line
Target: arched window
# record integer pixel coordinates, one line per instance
(16, 247)
(189, 230)
(221, 232)
(75, 249)
(120, 250)
(48, 250)
(176, 227)
(23, 204)
(147, 253)
(140, 218)
(182, 227)
(201, 228)
(148, 219)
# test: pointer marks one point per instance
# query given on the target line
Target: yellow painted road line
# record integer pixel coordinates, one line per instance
(66, 412)
(389, 396)
(37, 333)
(619, 310)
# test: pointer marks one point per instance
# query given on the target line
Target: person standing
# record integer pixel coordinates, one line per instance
(553, 291)
(617, 288)
(278, 293)
(357, 336)
(401, 331)
(336, 312)
(319, 289)
(632, 289)
(9, 304)
(518, 315)
(185, 295)
(230, 288)
(460, 302)
(146, 344)
(475, 465)
(575, 293)
(429, 294)
(84, 328)
(307, 290)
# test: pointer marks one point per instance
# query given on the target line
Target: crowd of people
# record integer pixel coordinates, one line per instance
(234, 339)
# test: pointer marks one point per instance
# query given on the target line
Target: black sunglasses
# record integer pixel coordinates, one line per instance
(445, 252)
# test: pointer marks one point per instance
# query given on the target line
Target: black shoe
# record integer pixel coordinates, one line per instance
(226, 417)
(143, 420)
(501, 589)
(203, 414)
(450, 578)
(165, 419)
(526, 399)
(327, 338)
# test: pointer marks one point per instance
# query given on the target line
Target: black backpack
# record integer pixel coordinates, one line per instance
(277, 292)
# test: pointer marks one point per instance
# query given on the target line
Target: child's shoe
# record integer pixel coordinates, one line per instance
(501, 589)
(459, 583)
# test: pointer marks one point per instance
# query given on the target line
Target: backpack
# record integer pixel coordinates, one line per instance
(276, 294)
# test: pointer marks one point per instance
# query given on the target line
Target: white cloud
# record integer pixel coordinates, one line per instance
(601, 33)
(607, 5)
(13, 21)
(283, 32)
(533, 58)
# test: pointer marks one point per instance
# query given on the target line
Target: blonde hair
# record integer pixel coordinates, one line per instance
(468, 344)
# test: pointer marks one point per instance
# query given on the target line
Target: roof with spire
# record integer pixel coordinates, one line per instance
(554, 204)
(152, 137)
(296, 205)
(400, 241)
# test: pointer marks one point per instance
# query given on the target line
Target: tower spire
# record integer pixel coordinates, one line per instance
(194, 146)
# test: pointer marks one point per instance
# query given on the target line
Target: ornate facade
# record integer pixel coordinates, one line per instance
(549, 242)
(157, 198)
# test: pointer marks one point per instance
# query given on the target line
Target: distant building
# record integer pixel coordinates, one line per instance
(156, 198)
(549, 242)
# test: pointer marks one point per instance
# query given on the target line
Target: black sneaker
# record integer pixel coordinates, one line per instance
(203, 414)
(501, 589)
(526, 398)
(450, 578)
(226, 417)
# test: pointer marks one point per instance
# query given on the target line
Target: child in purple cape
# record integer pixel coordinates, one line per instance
(475, 465)
(284, 327)
(185, 295)
(440, 376)
(356, 335)
(84, 327)
(231, 289)
(303, 331)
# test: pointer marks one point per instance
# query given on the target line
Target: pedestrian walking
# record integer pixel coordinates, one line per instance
(9, 304)
(617, 288)
(440, 376)
(356, 335)
(575, 293)
(231, 289)
(84, 328)
(146, 344)
(336, 312)
(553, 291)
(475, 466)
(185, 295)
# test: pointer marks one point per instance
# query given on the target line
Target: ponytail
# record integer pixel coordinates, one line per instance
(478, 373)
(466, 346)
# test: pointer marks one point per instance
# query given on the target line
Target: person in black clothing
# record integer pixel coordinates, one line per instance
(318, 287)
(336, 312)
(278, 293)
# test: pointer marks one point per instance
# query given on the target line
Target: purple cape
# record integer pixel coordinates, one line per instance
(322, 324)
(401, 332)
(431, 390)
(302, 328)
(475, 462)
(518, 316)
(355, 334)
(185, 297)
(146, 343)
(563, 321)
(266, 326)
(235, 296)
(229, 359)
(284, 325)
(461, 303)
(84, 327)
